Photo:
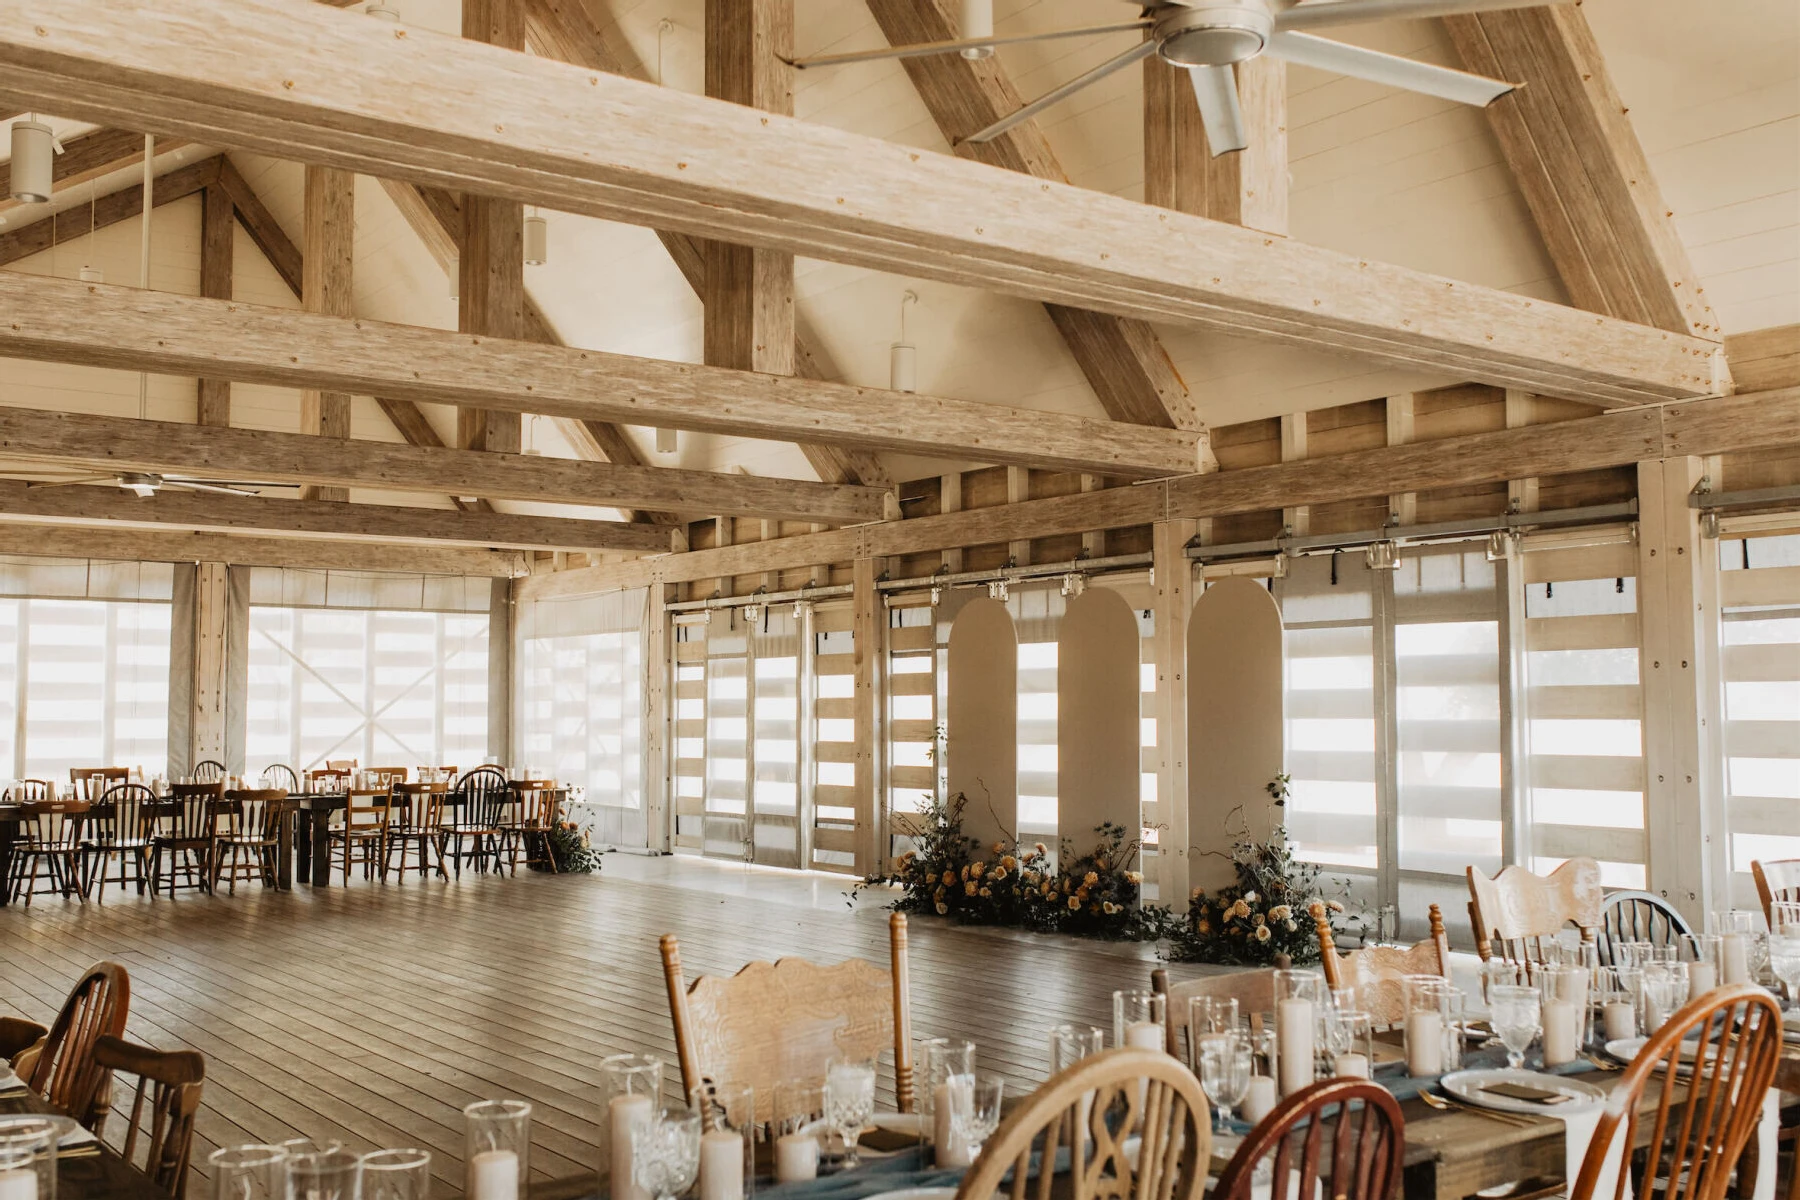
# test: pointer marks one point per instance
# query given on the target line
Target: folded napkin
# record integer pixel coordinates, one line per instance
(10, 1082)
(1578, 1132)
(75, 1142)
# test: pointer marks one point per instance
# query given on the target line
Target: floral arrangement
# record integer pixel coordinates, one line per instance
(1268, 916)
(570, 850)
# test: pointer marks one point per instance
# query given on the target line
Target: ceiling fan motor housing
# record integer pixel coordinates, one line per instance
(1213, 33)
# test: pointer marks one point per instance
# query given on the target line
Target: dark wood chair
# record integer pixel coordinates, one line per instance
(20, 1041)
(27, 790)
(209, 770)
(171, 1080)
(415, 822)
(474, 826)
(91, 783)
(364, 820)
(66, 1073)
(533, 819)
(1342, 1138)
(327, 779)
(49, 839)
(190, 838)
(282, 776)
(1638, 917)
(121, 825)
(1690, 1135)
(246, 849)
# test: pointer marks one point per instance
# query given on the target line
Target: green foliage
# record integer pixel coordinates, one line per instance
(569, 847)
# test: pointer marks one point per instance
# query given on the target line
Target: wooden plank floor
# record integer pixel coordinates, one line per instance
(372, 1014)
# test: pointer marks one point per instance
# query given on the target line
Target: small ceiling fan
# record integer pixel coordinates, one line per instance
(148, 483)
(1208, 37)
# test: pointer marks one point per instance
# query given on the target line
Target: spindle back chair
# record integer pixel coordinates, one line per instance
(123, 826)
(190, 838)
(414, 821)
(252, 836)
(171, 1080)
(65, 1072)
(1776, 879)
(209, 770)
(1632, 916)
(1342, 1138)
(49, 837)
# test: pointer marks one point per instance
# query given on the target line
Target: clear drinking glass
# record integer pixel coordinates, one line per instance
(294, 1146)
(28, 1155)
(631, 1088)
(1071, 1043)
(798, 1117)
(1735, 928)
(1564, 990)
(1225, 1073)
(1784, 958)
(1664, 987)
(1427, 1029)
(665, 1152)
(248, 1173)
(849, 1101)
(396, 1175)
(976, 1113)
(1514, 1011)
(496, 1149)
(326, 1175)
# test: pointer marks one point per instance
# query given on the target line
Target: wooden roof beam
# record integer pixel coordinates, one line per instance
(371, 97)
(139, 545)
(58, 320)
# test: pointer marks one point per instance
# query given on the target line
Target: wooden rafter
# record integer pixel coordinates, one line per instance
(98, 325)
(1581, 168)
(139, 545)
(326, 289)
(1248, 187)
(442, 111)
(40, 235)
(218, 224)
(112, 444)
(1124, 361)
(275, 516)
(1765, 358)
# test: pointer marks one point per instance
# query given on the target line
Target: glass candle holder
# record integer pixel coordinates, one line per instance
(1427, 1024)
(1070, 1043)
(1263, 1091)
(946, 1062)
(27, 1158)
(798, 1122)
(1661, 990)
(1564, 991)
(325, 1175)
(1617, 1005)
(1734, 927)
(727, 1141)
(496, 1149)
(396, 1175)
(631, 1088)
(253, 1172)
(1703, 955)
(1299, 996)
(1140, 1020)
(1350, 1034)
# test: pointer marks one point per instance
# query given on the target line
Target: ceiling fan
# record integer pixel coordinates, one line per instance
(1208, 37)
(147, 483)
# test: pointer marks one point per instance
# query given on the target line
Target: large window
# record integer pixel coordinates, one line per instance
(345, 677)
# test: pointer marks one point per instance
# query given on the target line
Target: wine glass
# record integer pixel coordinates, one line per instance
(1225, 1074)
(665, 1152)
(1784, 958)
(1514, 1013)
(977, 1111)
(849, 1100)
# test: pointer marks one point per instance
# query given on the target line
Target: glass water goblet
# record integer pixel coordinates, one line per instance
(1514, 1012)
(977, 1111)
(1784, 959)
(665, 1152)
(849, 1101)
(1225, 1075)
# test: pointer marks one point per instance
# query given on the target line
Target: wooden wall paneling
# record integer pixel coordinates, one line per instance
(1234, 722)
(1172, 588)
(1097, 754)
(1765, 358)
(22, 241)
(217, 233)
(1247, 187)
(981, 720)
(196, 66)
(326, 282)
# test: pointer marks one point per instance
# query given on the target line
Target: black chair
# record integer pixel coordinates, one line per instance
(122, 825)
(209, 770)
(474, 824)
(1638, 917)
(282, 776)
(190, 839)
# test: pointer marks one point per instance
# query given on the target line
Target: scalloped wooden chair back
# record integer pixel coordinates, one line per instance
(1254, 990)
(1108, 1097)
(1342, 1138)
(1378, 973)
(1691, 1135)
(1516, 915)
(773, 1022)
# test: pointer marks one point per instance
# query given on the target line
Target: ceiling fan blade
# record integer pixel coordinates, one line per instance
(51, 483)
(1321, 14)
(1390, 69)
(1215, 88)
(219, 488)
(921, 49)
(1118, 62)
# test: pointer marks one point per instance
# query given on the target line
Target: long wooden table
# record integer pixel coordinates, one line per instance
(98, 1174)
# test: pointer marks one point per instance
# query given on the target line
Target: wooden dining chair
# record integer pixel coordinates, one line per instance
(65, 1073)
(209, 770)
(1108, 1097)
(1254, 990)
(20, 1043)
(534, 819)
(1776, 879)
(1340, 1138)
(24, 791)
(1378, 973)
(189, 839)
(414, 822)
(1694, 1129)
(91, 783)
(1516, 915)
(121, 825)
(1632, 916)
(327, 779)
(386, 777)
(473, 827)
(359, 831)
(171, 1080)
(773, 1022)
(252, 835)
(49, 838)
(282, 776)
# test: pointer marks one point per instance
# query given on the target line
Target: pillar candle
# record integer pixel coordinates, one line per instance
(1259, 1098)
(1620, 1020)
(18, 1185)
(493, 1175)
(1737, 958)
(1352, 1066)
(1145, 1035)
(1701, 978)
(951, 1151)
(626, 1112)
(721, 1165)
(1424, 1043)
(796, 1157)
(1294, 1032)
(1561, 1033)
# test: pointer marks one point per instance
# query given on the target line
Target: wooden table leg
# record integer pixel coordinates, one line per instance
(284, 851)
(303, 845)
(8, 833)
(321, 849)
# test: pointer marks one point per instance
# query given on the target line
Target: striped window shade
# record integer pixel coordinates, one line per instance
(833, 737)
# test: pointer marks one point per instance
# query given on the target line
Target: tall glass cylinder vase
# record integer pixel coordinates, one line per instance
(1141, 1020)
(949, 1065)
(496, 1149)
(1564, 1011)
(1427, 1025)
(1299, 998)
(630, 1090)
(28, 1158)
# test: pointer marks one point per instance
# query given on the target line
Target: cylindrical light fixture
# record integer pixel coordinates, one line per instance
(456, 279)
(977, 22)
(33, 157)
(537, 241)
(376, 8)
(903, 367)
(92, 275)
(667, 441)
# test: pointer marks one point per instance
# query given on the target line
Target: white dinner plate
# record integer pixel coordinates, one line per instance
(1467, 1086)
(1625, 1049)
(943, 1193)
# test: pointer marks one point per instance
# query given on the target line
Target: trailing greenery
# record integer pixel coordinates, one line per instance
(570, 849)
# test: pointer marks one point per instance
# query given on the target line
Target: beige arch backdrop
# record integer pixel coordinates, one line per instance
(1096, 717)
(1235, 734)
(981, 718)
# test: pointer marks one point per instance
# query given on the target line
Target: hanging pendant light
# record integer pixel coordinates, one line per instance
(33, 156)
(382, 10)
(92, 275)
(667, 441)
(977, 22)
(537, 241)
(903, 356)
(455, 278)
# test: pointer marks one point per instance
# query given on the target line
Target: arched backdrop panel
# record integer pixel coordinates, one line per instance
(981, 718)
(1097, 718)
(1235, 733)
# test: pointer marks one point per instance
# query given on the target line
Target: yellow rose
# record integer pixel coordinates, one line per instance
(1049, 889)
(1100, 862)
(1240, 910)
(1262, 933)
(1110, 907)
(949, 877)
(970, 888)
(1280, 912)
(1196, 893)
(1334, 906)
(1074, 904)
(1008, 861)
(1041, 848)
(942, 908)
(999, 847)
(1090, 879)
(1134, 877)
(1081, 893)
(978, 868)
(1316, 909)
(985, 892)
(1204, 927)
(997, 873)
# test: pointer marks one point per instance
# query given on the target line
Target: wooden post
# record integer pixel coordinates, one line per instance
(1298, 518)
(870, 649)
(1093, 542)
(1403, 507)
(217, 229)
(949, 501)
(330, 220)
(208, 737)
(1521, 494)
(1173, 598)
(1677, 617)
(658, 717)
(1018, 490)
